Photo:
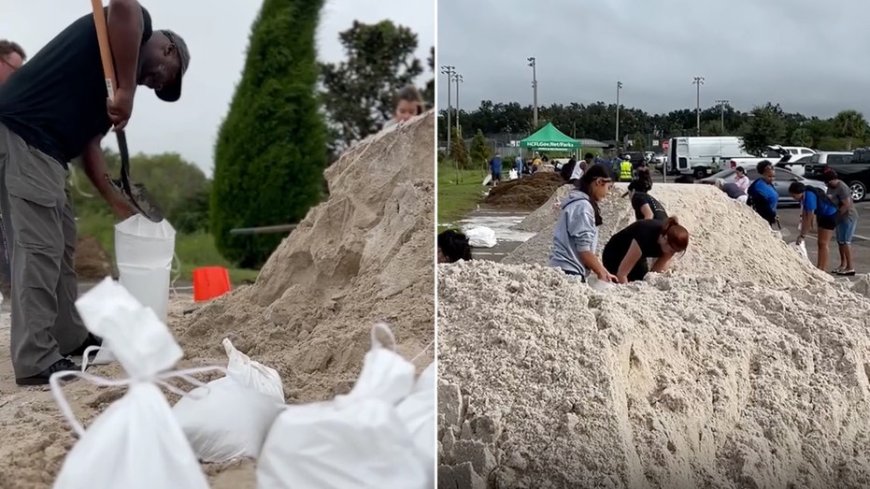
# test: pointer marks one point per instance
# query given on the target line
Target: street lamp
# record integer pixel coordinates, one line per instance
(449, 71)
(698, 80)
(458, 79)
(722, 104)
(618, 88)
(533, 64)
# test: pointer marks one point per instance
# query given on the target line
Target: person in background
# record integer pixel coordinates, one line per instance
(645, 205)
(732, 190)
(409, 103)
(495, 169)
(518, 166)
(625, 170)
(568, 169)
(740, 179)
(814, 201)
(581, 167)
(575, 237)
(12, 56)
(453, 246)
(847, 219)
(626, 254)
(762, 195)
(536, 163)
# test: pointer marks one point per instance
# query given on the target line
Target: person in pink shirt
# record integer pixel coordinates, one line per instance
(741, 179)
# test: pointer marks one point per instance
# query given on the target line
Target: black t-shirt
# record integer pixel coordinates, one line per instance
(639, 199)
(645, 232)
(56, 101)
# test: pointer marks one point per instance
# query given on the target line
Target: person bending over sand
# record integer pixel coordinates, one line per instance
(576, 235)
(814, 201)
(645, 205)
(453, 246)
(626, 253)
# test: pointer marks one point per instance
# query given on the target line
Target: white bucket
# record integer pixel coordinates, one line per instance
(143, 252)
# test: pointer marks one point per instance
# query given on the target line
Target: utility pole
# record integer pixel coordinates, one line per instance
(533, 64)
(699, 80)
(722, 104)
(449, 71)
(458, 78)
(618, 88)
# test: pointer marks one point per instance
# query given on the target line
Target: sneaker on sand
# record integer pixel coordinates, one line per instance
(42, 377)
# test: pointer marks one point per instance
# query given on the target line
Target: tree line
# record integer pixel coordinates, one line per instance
(762, 126)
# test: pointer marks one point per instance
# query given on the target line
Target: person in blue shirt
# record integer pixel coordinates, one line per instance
(815, 201)
(495, 169)
(763, 196)
(518, 166)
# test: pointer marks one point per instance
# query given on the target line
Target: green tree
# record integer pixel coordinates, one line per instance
(458, 153)
(766, 127)
(271, 148)
(479, 150)
(429, 91)
(801, 137)
(850, 124)
(711, 128)
(359, 95)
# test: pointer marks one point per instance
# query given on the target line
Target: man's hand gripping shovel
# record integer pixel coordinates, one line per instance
(134, 193)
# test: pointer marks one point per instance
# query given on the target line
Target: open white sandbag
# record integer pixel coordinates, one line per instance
(136, 443)
(356, 441)
(417, 411)
(230, 417)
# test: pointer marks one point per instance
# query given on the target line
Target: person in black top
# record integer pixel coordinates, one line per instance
(453, 246)
(53, 109)
(626, 253)
(645, 205)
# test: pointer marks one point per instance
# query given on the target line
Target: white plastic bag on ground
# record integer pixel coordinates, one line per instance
(230, 417)
(136, 443)
(357, 441)
(513, 175)
(418, 412)
(481, 237)
(801, 249)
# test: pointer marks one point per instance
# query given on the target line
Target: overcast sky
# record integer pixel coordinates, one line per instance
(808, 55)
(217, 36)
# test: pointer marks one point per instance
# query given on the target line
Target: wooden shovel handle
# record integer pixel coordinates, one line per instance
(105, 49)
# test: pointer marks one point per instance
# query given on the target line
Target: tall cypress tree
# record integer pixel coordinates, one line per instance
(271, 148)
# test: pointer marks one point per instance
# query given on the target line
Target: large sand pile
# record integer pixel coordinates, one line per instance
(727, 238)
(524, 193)
(363, 255)
(744, 368)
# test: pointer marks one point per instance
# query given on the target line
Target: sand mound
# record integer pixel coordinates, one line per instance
(91, 260)
(682, 382)
(545, 215)
(362, 256)
(525, 193)
(728, 238)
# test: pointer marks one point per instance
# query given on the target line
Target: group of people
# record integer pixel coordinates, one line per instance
(654, 236)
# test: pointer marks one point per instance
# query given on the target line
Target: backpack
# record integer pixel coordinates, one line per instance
(821, 197)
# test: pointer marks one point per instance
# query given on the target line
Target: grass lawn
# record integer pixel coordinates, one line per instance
(193, 250)
(456, 200)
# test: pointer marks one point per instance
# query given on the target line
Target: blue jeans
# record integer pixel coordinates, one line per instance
(846, 230)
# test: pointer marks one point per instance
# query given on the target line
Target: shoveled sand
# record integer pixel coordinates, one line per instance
(363, 255)
(727, 373)
(524, 193)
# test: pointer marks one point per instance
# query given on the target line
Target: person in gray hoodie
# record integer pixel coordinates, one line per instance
(575, 238)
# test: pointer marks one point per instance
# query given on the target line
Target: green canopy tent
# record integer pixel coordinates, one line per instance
(548, 138)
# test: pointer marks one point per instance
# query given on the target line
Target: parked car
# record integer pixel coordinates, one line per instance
(852, 168)
(795, 166)
(659, 160)
(781, 182)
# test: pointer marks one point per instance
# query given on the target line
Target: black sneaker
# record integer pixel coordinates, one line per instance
(42, 377)
(90, 340)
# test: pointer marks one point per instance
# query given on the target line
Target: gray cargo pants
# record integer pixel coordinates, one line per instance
(40, 231)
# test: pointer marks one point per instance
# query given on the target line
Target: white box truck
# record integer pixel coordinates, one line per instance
(702, 156)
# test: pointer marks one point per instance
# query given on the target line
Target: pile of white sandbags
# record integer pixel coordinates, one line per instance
(380, 435)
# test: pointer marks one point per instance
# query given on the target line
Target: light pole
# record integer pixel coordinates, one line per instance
(449, 71)
(618, 88)
(722, 104)
(533, 64)
(699, 80)
(458, 79)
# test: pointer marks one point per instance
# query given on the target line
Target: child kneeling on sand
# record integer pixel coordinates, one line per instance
(576, 235)
(626, 253)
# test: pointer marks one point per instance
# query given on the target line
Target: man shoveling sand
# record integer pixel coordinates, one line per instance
(52, 110)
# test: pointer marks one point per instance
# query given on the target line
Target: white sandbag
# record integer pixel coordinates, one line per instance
(801, 249)
(513, 175)
(481, 237)
(230, 417)
(136, 443)
(356, 441)
(418, 412)
(486, 180)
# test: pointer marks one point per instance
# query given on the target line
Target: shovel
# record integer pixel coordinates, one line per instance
(134, 193)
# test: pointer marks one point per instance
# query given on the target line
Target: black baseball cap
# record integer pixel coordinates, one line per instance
(172, 92)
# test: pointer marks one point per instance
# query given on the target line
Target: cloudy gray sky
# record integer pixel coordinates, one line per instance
(217, 36)
(808, 55)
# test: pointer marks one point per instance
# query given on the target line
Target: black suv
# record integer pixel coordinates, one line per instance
(854, 170)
